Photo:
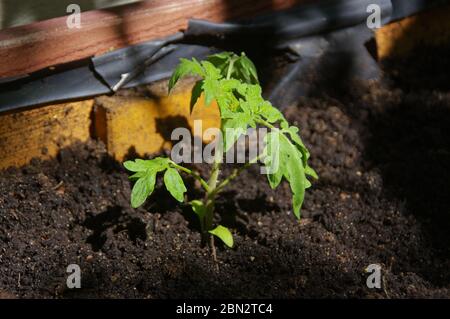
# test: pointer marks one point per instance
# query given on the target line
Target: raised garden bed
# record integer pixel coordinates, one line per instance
(381, 150)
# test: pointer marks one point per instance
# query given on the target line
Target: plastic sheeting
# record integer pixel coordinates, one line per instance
(325, 31)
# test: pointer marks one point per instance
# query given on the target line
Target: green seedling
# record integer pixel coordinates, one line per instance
(232, 81)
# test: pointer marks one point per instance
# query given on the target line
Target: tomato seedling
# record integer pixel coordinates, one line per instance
(232, 81)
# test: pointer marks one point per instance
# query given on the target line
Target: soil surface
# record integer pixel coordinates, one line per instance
(381, 149)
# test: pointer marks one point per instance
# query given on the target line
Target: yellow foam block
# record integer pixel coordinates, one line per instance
(430, 28)
(41, 132)
(137, 125)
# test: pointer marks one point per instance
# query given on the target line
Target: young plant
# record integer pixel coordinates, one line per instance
(231, 81)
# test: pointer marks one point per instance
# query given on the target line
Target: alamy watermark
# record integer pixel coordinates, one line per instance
(74, 19)
(250, 145)
(374, 19)
(374, 279)
(74, 279)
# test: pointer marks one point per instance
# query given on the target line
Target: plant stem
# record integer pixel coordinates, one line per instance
(210, 194)
(193, 174)
(265, 123)
(210, 197)
(230, 68)
(212, 182)
(236, 172)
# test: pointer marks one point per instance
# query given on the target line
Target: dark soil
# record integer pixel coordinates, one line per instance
(382, 151)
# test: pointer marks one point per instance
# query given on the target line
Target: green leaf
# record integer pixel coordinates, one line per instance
(227, 85)
(157, 164)
(221, 61)
(226, 99)
(292, 132)
(309, 171)
(248, 69)
(211, 88)
(137, 165)
(137, 175)
(174, 184)
(220, 58)
(290, 166)
(294, 172)
(227, 105)
(223, 234)
(196, 92)
(211, 71)
(234, 127)
(272, 159)
(199, 208)
(142, 189)
(245, 70)
(211, 83)
(145, 177)
(184, 68)
(270, 113)
(253, 99)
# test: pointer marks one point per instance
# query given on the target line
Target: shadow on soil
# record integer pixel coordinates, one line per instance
(410, 143)
(113, 219)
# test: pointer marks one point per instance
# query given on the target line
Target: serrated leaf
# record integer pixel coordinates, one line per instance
(228, 85)
(294, 172)
(133, 167)
(224, 235)
(290, 166)
(142, 189)
(309, 171)
(222, 61)
(234, 127)
(272, 159)
(245, 70)
(174, 184)
(227, 105)
(137, 165)
(307, 184)
(212, 89)
(137, 175)
(292, 132)
(270, 113)
(249, 68)
(196, 92)
(253, 99)
(222, 56)
(211, 83)
(211, 71)
(184, 68)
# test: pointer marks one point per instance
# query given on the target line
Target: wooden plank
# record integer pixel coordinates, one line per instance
(41, 132)
(36, 46)
(429, 28)
(15, 13)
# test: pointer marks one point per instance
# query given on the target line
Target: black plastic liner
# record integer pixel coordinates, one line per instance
(335, 29)
(85, 82)
(305, 20)
(339, 56)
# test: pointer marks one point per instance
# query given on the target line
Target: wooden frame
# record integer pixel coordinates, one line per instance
(36, 46)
